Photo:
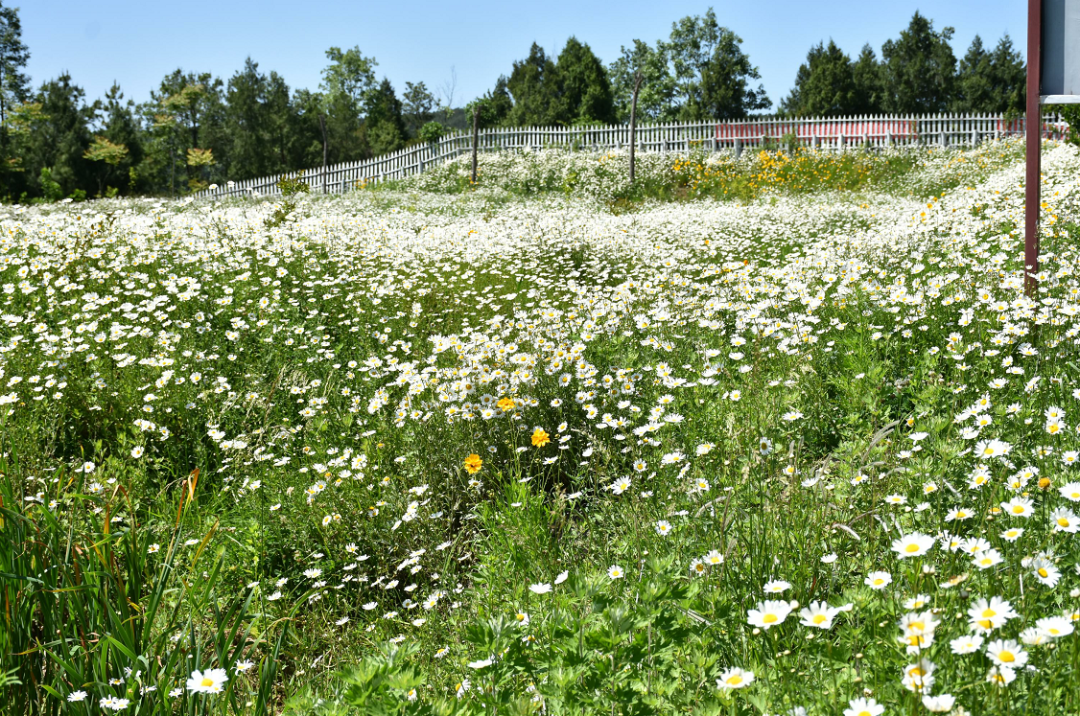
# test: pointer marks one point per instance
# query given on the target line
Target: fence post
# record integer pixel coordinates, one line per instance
(633, 121)
(322, 126)
(738, 147)
(475, 134)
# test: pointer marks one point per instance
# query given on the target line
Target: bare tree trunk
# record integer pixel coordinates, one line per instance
(475, 137)
(633, 123)
(322, 126)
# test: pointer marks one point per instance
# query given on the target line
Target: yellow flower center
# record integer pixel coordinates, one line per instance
(1018, 509)
(912, 548)
(1043, 573)
(1006, 656)
(735, 680)
(206, 681)
(989, 613)
(769, 619)
(1062, 522)
(819, 618)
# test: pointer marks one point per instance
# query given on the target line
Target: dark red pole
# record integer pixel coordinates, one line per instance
(1033, 122)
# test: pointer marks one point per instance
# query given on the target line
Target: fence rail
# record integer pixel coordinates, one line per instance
(828, 133)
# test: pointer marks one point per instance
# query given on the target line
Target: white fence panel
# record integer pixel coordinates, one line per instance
(828, 133)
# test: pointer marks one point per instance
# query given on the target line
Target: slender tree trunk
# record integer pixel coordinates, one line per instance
(475, 137)
(322, 126)
(633, 123)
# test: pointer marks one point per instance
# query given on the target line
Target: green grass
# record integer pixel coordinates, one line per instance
(286, 412)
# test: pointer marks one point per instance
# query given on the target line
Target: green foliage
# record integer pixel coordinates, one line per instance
(584, 88)
(14, 84)
(431, 132)
(96, 606)
(918, 69)
(384, 125)
(349, 76)
(699, 72)
(417, 106)
(824, 85)
(257, 119)
(50, 189)
(656, 97)
(1070, 114)
(534, 85)
(866, 74)
(290, 187)
(102, 150)
(991, 82)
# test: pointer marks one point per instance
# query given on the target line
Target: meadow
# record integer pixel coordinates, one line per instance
(775, 435)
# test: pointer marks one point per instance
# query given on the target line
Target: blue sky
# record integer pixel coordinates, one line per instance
(137, 42)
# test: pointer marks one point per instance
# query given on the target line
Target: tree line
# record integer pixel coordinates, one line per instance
(196, 128)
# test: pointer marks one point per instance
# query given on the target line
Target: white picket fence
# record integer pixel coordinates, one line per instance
(830, 133)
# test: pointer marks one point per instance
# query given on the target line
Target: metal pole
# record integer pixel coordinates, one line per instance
(1033, 121)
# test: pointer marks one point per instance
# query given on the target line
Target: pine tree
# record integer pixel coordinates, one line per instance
(57, 144)
(534, 85)
(584, 87)
(974, 80)
(14, 84)
(824, 84)
(1010, 78)
(384, 126)
(866, 76)
(121, 129)
(919, 69)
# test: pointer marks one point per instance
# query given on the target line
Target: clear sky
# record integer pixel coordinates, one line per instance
(137, 42)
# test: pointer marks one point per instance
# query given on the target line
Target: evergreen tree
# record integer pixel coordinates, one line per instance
(1009, 74)
(304, 135)
(919, 69)
(279, 111)
(14, 84)
(534, 85)
(120, 128)
(14, 90)
(58, 141)
(583, 85)
(384, 126)
(248, 124)
(866, 76)
(974, 83)
(258, 118)
(498, 102)
(186, 113)
(824, 84)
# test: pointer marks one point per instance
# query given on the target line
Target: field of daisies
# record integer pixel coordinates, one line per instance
(782, 435)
